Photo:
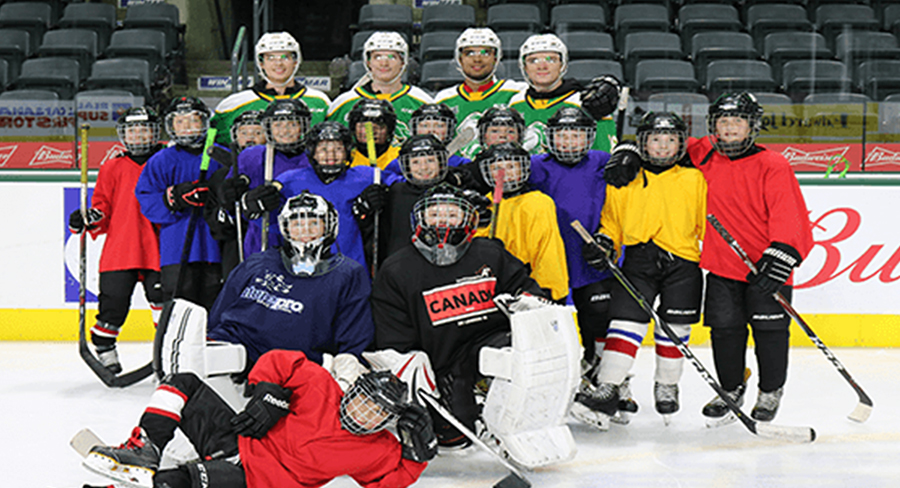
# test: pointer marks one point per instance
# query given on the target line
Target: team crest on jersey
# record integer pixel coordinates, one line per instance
(465, 301)
(274, 282)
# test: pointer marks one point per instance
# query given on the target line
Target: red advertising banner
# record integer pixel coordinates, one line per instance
(819, 157)
(882, 156)
(54, 155)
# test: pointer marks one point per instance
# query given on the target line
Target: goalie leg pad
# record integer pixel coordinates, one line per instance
(181, 344)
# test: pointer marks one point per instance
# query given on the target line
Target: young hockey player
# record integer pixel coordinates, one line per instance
(526, 219)
(278, 58)
(169, 189)
(430, 119)
(436, 295)
(544, 59)
(478, 53)
(131, 252)
(384, 120)
(247, 130)
(297, 429)
(659, 218)
(386, 55)
(755, 195)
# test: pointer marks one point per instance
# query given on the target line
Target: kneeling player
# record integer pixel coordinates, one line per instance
(298, 429)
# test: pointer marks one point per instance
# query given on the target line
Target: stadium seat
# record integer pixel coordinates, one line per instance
(447, 17)
(713, 45)
(802, 77)
(770, 98)
(514, 17)
(386, 18)
(509, 70)
(763, 19)
(437, 45)
(640, 17)
(104, 92)
(4, 74)
(650, 45)
(78, 44)
(589, 45)
(679, 98)
(437, 75)
(27, 16)
(56, 74)
(658, 75)
(159, 16)
(895, 98)
(26, 94)
(836, 97)
(855, 47)
(781, 47)
(584, 70)
(15, 48)
(127, 74)
(98, 17)
(833, 19)
(139, 43)
(878, 78)
(354, 73)
(699, 17)
(891, 19)
(738, 74)
(510, 41)
(575, 17)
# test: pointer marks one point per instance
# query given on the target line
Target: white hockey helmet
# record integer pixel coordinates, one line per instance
(539, 43)
(478, 37)
(386, 41)
(276, 42)
(307, 246)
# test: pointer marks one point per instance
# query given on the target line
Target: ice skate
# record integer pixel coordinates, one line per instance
(133, 463)
(109, 358)
(717, 412)
(627, 407)
(595, 405)
(767, 405)
(666, 398)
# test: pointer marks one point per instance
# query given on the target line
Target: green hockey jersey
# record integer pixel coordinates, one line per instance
(405, 101)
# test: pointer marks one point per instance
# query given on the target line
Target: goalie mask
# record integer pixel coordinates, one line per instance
(436, 119)
(540, 43)
(513, 159)
(386, 41)
(475, 37)
(662, 138)
(285, 122)
(278, 42)
(247, 130)
(379, 112)
(500, 124)
(443, 225)
(328, 146)
(187, 120)
(734, 123)
(570, 135)
(309, 225)
(423, 160)
(374, 401)
(138, 130)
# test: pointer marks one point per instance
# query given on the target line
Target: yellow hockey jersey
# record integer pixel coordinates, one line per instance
(359, 159)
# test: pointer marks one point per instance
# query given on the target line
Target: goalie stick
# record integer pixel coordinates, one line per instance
(794, 434)
(108, 378)
(864, 407)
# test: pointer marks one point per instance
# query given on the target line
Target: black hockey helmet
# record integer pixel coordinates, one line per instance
(443, 224)
(434, 112)
(570, 135)
(373, 110)
(743, 105)
(246, 119)
(501, 116)
(141, 142)
(510, 156)
(304, 251)
(187, 135)
(286, 138)
(328, 131)
(654, 123)
(412, 164)
(375, 399)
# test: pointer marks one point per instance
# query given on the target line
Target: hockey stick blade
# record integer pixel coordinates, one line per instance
(465, 136)
(84, 441)
(109, 378)
(864, 407)
(785, 433)
(516, 478)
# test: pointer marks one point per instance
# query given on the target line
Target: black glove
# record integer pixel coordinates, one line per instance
(595, 254)
(416, 433)
(601, 96)
(461, 178)
(76, 223)
(482, 205)
(623, 164)
(370, 201)
(187, 194)
(263, 198)
(774, 267)
(233, 188)
(270, 402)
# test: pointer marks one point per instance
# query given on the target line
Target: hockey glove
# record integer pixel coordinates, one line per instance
(269, 404)
(184, 195)
(263, 198)
(76, 223)
(623, 164)
(774, 268)
(482, 205)
(416, 433)
(233, 188)
(601, 96)
(461, 178)
(596, 254)
(371, 201)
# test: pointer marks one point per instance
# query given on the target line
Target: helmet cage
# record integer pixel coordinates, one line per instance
(742, 105)
(250, 117)
(193, 138)
(138, 117)
(489, 164)
(444, 242)
(450, 122)
(372, 403)
(324, 132)
(305, 256)
(570, 155)
(406, 162)
(661, 123)
(501, 116)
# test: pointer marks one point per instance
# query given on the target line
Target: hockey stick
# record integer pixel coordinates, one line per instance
(229, 159)
(498, 196)
(84, 441)
(108, 378)
(620, 117)
(373, 162)
(461, 140)
(794, 434)
(267, 176)
(864, 407)
(516, 479)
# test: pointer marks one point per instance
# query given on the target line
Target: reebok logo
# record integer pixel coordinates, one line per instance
(276, 402)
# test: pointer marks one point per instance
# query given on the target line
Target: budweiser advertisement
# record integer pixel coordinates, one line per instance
(882, 156)
(819, 157)
(54, 155)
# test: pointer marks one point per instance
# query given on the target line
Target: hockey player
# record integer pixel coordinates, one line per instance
(131, 252)
(755, 195)
(278, 58)
(526, 219)
(434, 119)
(435, 295)
(544, 59)
(297, 429)
(659, 218)
(478, 53)
(168, 190)
(247, 130)
(386, 55)
(384, 121)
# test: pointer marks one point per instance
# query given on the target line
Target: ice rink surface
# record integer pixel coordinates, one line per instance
(48, 394)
